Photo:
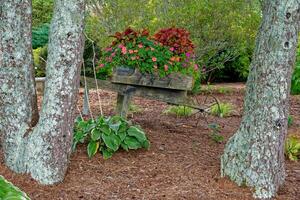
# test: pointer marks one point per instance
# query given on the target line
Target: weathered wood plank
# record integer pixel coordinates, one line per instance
(166, 95)
(129, 76)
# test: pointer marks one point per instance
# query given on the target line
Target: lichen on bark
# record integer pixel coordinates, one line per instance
(41, 149)
(254, 155)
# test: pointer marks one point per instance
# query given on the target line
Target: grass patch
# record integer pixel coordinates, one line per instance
(222, 109)
(179, 111)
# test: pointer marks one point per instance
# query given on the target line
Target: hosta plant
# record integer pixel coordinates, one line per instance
(107, 135)
(136, 49)
(9, 191)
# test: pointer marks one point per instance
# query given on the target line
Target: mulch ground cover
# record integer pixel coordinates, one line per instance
(182, 163)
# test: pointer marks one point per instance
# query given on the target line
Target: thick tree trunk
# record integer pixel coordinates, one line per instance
(254, 155)
(43, 151)
(49, 146)
(18, 108)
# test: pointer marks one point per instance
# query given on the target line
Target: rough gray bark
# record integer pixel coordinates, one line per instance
(18, 108)
(44, 150)
(254, 155)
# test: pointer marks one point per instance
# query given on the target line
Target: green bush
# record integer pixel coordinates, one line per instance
(9, 192)
(40, 36)
(40, 57)
(42, 11)
(295, 87)
(107, 135)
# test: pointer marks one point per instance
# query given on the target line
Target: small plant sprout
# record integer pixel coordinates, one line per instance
(179, 111)
(134, 108)
(290, 121)
(221, 109)
(215, 133)
(224, 90)
(292, 148)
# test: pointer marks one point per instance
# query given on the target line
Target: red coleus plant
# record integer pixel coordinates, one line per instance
(178, 39)
(129, 35)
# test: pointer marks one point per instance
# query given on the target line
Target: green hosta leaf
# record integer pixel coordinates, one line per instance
(124, 146)
(92, 148)
(122, 135)
(132, 142)
(95, 134)
(105, 129)
(115, 126)
(112, 141)
(107, 153)
(9, 192)
(123, 127)
(146, 144)
(79, 136)
(137, 133)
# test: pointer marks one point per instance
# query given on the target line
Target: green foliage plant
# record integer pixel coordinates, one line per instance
(295, 87)
(40, 36)
(292, 148)
(9, 192)
(39, 61)
(179, 111)
(137, 49)
(222, 109)
(290, 121)
(215, 133)
(108, 134)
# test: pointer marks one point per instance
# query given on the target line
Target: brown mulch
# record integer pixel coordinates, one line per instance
(182, 163)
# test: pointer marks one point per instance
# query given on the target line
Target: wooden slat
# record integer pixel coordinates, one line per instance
(173, 81)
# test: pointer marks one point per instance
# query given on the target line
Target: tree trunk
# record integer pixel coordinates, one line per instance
(44, 150)
(18, 107)
(254, 155)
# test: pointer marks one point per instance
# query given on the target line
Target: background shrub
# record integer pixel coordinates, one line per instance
(295, 87)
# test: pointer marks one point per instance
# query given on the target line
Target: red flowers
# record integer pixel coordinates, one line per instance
(154, 59)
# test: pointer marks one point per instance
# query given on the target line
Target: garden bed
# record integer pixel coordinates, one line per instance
(183, 161)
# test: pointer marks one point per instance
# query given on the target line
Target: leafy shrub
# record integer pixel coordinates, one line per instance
(90, 50)
(136, 50)
(215, 133)
(42, 11)
(107, 135)
(221, 109)
(9, 191)
(179, 111)
(295, 87)
(40, 36)
(39, 58)
(176, 38)
(292, 148)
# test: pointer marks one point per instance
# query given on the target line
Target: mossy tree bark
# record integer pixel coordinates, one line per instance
(41, 149)
(254, 155)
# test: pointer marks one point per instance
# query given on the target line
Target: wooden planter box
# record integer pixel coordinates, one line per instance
(131, 76)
